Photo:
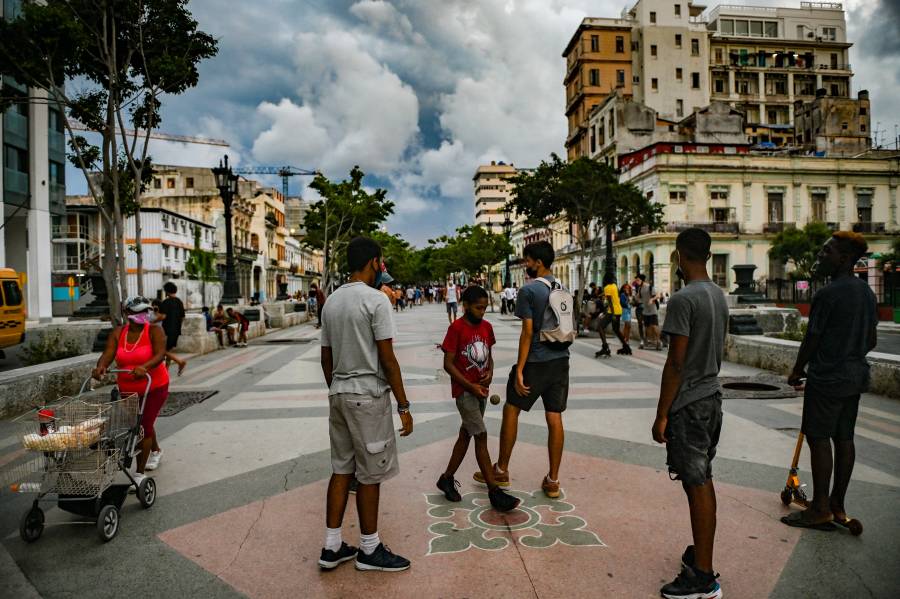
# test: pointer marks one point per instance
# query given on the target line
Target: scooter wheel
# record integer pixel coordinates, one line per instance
(855, 527)
(787, 495)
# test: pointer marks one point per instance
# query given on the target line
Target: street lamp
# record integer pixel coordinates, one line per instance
(507, 230)
(227, 182)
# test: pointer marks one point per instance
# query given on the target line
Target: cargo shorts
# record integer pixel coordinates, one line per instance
(693, 435)
(471, 410)
(363, 440)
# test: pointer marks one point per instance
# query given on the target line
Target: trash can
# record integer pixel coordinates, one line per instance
(897, 315)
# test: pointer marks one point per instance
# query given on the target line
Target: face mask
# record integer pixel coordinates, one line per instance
(378, 275)
(142, 318)
(472, 319)
(531, 272)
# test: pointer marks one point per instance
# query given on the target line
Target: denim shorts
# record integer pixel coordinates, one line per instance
(693, 434)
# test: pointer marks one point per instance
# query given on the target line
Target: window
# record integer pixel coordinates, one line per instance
(653, 16)
(620, 78)
(654, 84)
(635, 46)
(862, 111)
(170, 183)
(12, 292)
(741, 28)
(719, 56)
(829, 33)
(677, 10)
(800, 29)
(817, 206)
(157, 183)
(165, 249)
(612, 124)
(620, 44)
(834, 61)
(595, 43)
(695, 80)
(776, 207)
(835, 89)
(636, 79)
(718, 193)
(677, 193)
(677, 40)
(864, 205)
(679, 108)
(595, 77)
(726, 26)
(653, 50)
(773, 117)
(756, 28)
(844, 126)
(719, 86)
(695, 47)
(57, 173)
(862, 128)
(720, 215)
(593, 139)
(720, 269)
(772, 29)
(679, 73)
(189, 182)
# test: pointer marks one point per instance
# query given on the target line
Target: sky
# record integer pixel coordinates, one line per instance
(418, 93)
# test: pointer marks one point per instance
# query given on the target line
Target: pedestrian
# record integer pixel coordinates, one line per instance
(157, 319)
(689, 413)
(239, 323)
(410, 297)
(513, 295)
(612, 316)
(650, 310)
(625, 301)
(452, 296)
(842, 329)
(220, 324)
(171, 312)
(139, 348)
(468, 360)
(316, 291)
(638, 306)
(361, 370)
(542, 370)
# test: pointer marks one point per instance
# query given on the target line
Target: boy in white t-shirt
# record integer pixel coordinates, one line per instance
(452, 298)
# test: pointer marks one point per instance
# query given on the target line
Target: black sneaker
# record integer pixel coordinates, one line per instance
(332, 559)
(692, 584)
(502, 501)
(381, 559)
(688, 558)
(353, 485)
(447, 486)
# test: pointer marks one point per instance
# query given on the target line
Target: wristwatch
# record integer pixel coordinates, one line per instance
(404, 409)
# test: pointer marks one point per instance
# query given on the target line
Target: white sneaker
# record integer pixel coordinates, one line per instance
(153, 460)
(138, 477)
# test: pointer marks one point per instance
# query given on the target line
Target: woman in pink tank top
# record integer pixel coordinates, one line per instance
(139, 347)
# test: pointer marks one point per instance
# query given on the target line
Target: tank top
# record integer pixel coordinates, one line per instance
(129, 356)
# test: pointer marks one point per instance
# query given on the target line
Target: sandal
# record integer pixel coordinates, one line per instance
(799, 520)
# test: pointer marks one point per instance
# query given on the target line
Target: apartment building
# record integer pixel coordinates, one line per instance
(834, 126)
(598, 61)
(764, 59)
(492, 192)
(33, 186)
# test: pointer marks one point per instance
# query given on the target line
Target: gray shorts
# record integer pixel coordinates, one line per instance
(363, 440)
(471, 409)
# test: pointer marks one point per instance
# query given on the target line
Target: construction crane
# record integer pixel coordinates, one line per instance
(76, 126)
(285, 172)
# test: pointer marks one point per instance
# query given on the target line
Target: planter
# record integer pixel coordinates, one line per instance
(897, 315)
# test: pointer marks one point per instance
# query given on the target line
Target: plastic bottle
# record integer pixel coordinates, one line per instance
(26, 488)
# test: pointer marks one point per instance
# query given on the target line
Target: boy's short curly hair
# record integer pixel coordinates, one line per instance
(851, 243)
(473, 294)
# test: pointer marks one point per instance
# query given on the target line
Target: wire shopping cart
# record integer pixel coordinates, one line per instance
(73, 452)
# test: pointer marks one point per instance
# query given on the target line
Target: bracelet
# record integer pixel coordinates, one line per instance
(404, 409)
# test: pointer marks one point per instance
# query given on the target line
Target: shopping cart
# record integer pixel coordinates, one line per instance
(75, 450)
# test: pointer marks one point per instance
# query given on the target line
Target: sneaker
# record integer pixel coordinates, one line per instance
(153, 460)
(690, 584)
(551, 489)
(688, 558)
(138, 477)
(501, 478)
(332, 559)
(447, 486)
(381, 559)
(354, 484)
(502, 501)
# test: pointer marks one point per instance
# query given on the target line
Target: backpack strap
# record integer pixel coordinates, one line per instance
(549, 284)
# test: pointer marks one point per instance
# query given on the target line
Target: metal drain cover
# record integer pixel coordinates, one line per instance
(181, 400)
(744, 387)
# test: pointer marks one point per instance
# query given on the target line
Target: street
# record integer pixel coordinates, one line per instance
(243, 477)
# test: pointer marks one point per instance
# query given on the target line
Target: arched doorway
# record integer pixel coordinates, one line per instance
(635, 265)
(676, 282)
(648, 262)
(623, 269)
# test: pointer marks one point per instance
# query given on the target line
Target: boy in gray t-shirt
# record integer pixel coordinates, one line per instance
(689, 414)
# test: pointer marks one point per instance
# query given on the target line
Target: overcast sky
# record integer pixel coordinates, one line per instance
(419, 92)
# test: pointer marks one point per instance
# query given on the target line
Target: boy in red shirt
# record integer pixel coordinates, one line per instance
(468, 361)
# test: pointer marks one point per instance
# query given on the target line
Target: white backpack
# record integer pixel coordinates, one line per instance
(558, 326)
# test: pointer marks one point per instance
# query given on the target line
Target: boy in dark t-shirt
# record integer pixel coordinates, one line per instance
(468, 361)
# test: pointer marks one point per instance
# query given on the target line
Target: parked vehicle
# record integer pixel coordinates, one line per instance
(12, 310)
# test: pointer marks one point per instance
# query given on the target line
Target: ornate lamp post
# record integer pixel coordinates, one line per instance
(507, 230)
(227, 182)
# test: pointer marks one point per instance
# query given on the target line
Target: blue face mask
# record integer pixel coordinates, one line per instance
(378, 275)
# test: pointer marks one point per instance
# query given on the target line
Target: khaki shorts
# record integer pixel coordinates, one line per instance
(363, 441)
(471, 409)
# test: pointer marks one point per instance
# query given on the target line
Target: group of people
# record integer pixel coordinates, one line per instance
(362, 371)
(508, 299)
(616, 307)
(227, 323)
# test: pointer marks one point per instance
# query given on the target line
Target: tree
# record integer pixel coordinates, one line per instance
(345, 211)
(201, 264)
(590, 197)
(800, 247)
(125, 56)
(472, 250)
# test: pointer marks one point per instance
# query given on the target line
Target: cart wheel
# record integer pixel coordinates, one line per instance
(108, 522)
(32, 525)
(146, 492)
(855, 527)
(787, 495)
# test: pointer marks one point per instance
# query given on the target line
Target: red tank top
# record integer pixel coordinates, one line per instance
(129, 356)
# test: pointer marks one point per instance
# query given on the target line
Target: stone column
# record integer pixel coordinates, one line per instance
(762, 86)
(731, 90)
(40, 251)
(892, 190)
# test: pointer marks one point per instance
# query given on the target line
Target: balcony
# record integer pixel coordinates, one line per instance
(774, 227)
(868, 227)
(15, 182)
(65, 232)
(709, 227)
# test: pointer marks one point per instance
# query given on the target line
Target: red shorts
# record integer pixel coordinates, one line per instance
(156, 398)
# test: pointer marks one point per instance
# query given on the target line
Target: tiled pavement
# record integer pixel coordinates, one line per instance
(242, 493)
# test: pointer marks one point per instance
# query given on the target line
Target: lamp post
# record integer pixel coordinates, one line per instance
(507, 230)
(227, 182)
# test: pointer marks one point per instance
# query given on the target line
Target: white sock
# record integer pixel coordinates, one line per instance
(369, 543)
(333, 539)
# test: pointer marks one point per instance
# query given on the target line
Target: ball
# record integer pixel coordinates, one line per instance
(495, 399)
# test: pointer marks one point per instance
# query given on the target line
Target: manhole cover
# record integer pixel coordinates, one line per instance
(755, 388)
(180, 400)
(290, 341)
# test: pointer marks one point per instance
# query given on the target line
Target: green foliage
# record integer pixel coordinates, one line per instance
(345, 211)
(49, 347)
(201, 264)
(795, 334)
(800, 247)
(401, 259)
(472, 250)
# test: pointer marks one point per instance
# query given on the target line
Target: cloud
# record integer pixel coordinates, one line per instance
(384, 18)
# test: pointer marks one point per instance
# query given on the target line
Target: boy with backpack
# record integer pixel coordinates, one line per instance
(542, 368)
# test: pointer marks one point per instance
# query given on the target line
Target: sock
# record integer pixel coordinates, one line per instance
(333, 539)
(369, 543)
(551, 480)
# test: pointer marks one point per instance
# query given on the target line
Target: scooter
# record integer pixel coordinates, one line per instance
(793, 492)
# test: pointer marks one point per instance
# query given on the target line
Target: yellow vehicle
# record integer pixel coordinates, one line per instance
(12, 309)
